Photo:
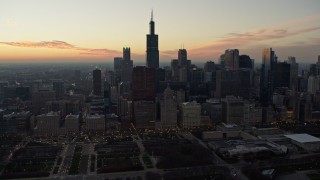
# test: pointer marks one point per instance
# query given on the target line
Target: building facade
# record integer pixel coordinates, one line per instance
(168, 106)
(190, 114)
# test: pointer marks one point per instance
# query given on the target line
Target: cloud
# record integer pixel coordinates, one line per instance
(42, 44)
(98, 52)
(62, 45)
(246, 39)
(253, 39)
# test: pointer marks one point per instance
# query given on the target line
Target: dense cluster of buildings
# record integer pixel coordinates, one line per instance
(180, 95)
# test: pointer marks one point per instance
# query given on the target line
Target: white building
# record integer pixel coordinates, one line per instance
(72, 123)
(168, 105)
(190, 114)
(305, 141)
(48, 123)
(95, 122)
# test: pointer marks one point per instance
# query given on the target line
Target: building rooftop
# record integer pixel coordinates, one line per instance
(302, 138)
(192, 103)
(72, 116)
(213, 101)
(229, 125)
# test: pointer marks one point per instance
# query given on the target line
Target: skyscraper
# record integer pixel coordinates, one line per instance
(168, 106)
(245, 62)
(182, 57)
(294, 67)
(58, 88)
(152, 46)
(126, 54)
(231, 58)
(267, 75)
(143, 83)
(97, 84)
(106, 94)
(126, 66)
(117, 69)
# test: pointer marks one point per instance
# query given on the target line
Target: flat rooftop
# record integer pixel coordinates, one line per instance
(302, 138)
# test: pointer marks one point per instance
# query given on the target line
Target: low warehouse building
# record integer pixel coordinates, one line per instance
(305, 141)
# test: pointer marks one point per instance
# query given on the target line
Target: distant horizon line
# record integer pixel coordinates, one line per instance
(136, 63)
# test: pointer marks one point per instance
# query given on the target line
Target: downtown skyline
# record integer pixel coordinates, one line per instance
(45, 31)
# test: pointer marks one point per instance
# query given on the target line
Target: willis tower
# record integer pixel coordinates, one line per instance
(152, 46)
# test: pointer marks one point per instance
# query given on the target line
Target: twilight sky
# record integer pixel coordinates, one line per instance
(96, 30)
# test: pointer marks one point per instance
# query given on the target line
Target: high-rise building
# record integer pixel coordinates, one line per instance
(117, 69)
(209, 72)
(58, 88)
(72, 123)
(181, 96)
(2, 85)
(227, 83)
(143, 84)
(174, 70)
(182, 57)
(231, 57)
(126, 66)
(209, 66)
(222, 61)
(245, 62)
(197, 75)
(152, 46)
(269, 60)
(212, 108)
(183, 74)
(294, 67)
(97, 82)
(126, 54)
(282, 74)
(190, 114)
(313, 84)
(144, 114)
(168, 106)
(232, 110)
(107, 99)
(183, 65)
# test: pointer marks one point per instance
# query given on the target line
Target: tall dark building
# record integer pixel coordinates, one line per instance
(269, 61)
(117, 69)
(126, 66)
(245, 62)
(282, 75)
(97, 84)
(209, 66)
(231, 57)
(126, 54)
(152, 46)
(106, 95)
(58, 88)
(174, 70)
(143, 83)
(182, 57)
